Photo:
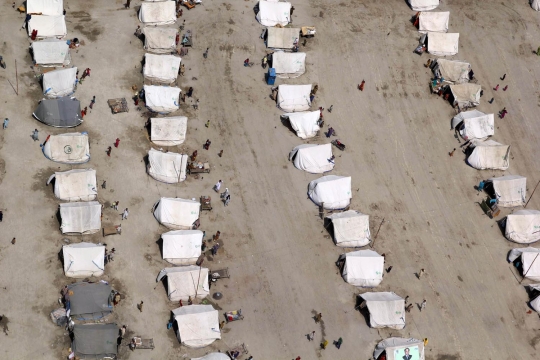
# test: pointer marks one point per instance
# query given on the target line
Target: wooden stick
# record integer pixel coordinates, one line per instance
(17, 77)
(532, 194)
(379, 229)
(529, 268)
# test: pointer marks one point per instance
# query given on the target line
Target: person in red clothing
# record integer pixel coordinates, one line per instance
(117, 142)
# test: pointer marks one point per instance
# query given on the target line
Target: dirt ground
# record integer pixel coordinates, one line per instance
(280, 257)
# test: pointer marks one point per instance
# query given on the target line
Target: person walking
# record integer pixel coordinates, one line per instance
(504, 88)
(409, 308)
(35, 135)
(6, 122)
(218, 186)
(538, 51)
(109, 149)
(128, 4)
(207, 144)
(451, 153)
(311, 336)
(338, 343)
(190, 92)
(318, 318)
(125, 214)
(423, 305)
(220, 154)
(115, 205)
(182, 70)
(92, 102)
(216, 237)
(117, 142)
(420, 273)
(215, 249)
(104, 184)
(496, 87)
(83, 112)
(227, 199)
(503, 77)
(123, 331)
(361, 86)
(1, 216)
(140, 306)
(28, 17)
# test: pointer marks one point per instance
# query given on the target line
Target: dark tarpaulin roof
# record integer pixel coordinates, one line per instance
(98, 340)
(61, 112)
(91, 299)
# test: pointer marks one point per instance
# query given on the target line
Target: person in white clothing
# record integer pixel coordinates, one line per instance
(218, 186)
(125, 214)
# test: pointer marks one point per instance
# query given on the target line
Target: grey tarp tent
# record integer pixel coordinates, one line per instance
(95, 340)
(90, 301)
(63, 112)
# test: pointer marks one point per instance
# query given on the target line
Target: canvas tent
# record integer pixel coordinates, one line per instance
(443, 44)
(161, 68)
(80, 217)
(198, 325)
(474, 124)
(167, 167)
(394, 348)
(510, 190)
(489, 154)
(452, 71)
(90, 300)
(466, 94)
(158, 13)
(527, 264)
(523, 226)
(176, 213)
(45, 7)
(63, 112)
(182, 247)
(83, 260)
(213, 356)
(294, 98)
(48, 26)
(185, 282)
(169, 131)
(433, 21)
(332, 192)
(350, 228)
(71, 148)
(386, 309)
(289, 65)
(162, 99)
(312, 158)
(95, 341)
(535, 4)
(274, 13)
(50, 52)
(58, 83)
(423, 5)
(160, 40)
(75, 185)
(282, 38)
(535, 296)
(305, 123)
(363, 268)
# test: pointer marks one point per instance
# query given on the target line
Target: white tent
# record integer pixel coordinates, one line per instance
(305, 123)
(395, 349)
(273, 13)
(489, 154)
(80, 217)
(423, 5)
(83, 260)
(158, 13)
(161, 68)
(433, 21)
(176, 213)
(535, 4)
(510, 190)
(185, 282)
(535, 303)
(75, 185)
(162, 99)
(312, 158)
(182, 247)
(50, 52)
(363, 268)
(167, 167)
(466, 94)
(160, 40)
(45, 7)
(443, 44)
(333, 192)
(169, 131)
(351, 228)
(198, 325)
(530, 267)
(58, 83)
(48, 26)
(523, 226)
(294, 97)
(282, 38)
(476, 124)
(289, 64)
(71, 148)
(452, 71)
(386, 309)
(213, 356)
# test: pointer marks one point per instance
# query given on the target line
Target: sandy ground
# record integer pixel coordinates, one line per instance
(280, 257)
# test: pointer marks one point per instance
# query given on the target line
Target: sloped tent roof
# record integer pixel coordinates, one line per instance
(51, 52)
(80, 217)
(535, 303)
(95, 340)
(158, 13)
(433, 21)
(476, 124)
(160, 40)
(83, 260)
(466, 94)
(273, 13)
(386, 309)
(161, 68)
(213, 356)
(71, 148)
(305, 123)
(312, 158)
(282, 38)
(423, 5)
(58, 83)
(351, 228)
(294, 98)
(75, 185)
(167, 167)
(363, 268)
(48, 26)
(530, 267)
(334, 192)
(443, 44)
(198, 325)
(162, 99)
(289, 65)
(186, 281)
(489, 154)
(452, 71)
(176, 213)
(535, 4)
(169, 131)
(45, 7)
(392, 344)
(523, 226)
(511, 190)
(182, 247)
(63, 112)
(90, 300)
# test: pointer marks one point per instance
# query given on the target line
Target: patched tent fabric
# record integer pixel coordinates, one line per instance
(80, 217)
(58, 83)
(71, 148)
(95, 340)
(333, 192)
(182, 247)
(511, 190)
(386, 309)
(305, 123)
(48, 26)
(90, 300)
(158, 13)
(423, 5)
(489, 154)
(294, 98)
(363, 268)
(530, 267)
(162, 99)
(50, 52)
(535, 4)
(64, 112)
(75, 185)
(282, 38)
(433, 21)
(274, 13)
(176, 213)
(474, 124)
(198, 325)
(45, 7)
(312, 158)
(523, 226)
(394, 348)
(443, 44)
(185, 282)
(466, 94)
(169, 131)
(289, 64)
(160, 40)
(167, 167)
(350, 228)
(213, 356)
(535, 294)
(452, 71)
(161, 68)
(83, 260)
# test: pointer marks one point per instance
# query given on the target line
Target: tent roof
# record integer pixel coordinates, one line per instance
(289, 64)
(386, 309)
(161, 68)
(176, 213)
(282, 38)
(443, 44)
(70, 148)
(158, 13)
(75, 185)
(312, 158)
(213, 356)
(58, 83)
(198, 325)
(160, 40)
(476, 124)
(62, 112)
(535, 4)
(351, 228)
(97, 340)
(90, 299)
(182, 245)
(453, 71)
(51, 52)
(489, 154)
(83, 260)
(305, 123)
(48, 26)
(294, 98)
(186, 281)
(45, 7)
(466, 94)
(529, 255)
(80, 217)
(162, 99)
(334, 191)
(168, 131)
(394, 343)
(523, 226)
(433, 21)
(511, 190)
(273, 13)
(363, 268)
(167, 167)
(423, 5)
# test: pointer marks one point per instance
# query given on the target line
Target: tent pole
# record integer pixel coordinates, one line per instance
(379, 229)
(198, 281)
(529, 268)
(532, 194)
(17, 77)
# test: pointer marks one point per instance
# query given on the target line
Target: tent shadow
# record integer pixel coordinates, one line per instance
(58, 217)
(501, 224)
(61, 256)
(159, 243)
(329, 226)
(285, 122)
(363, 311)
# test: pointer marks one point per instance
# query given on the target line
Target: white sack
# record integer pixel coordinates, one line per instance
(83, 260)
(312, 158)
(48, 26)
(523, 226)
(443, 44)
(198, 325)
(334, 192)
(167, 167)
(80, 217)
(273, 13)
(169, 131)
(289, 64)
(59, 83)
(489, 154)
(158, 13)
(176, 213)
(70, 148)
(162, 99)
(294, 98)
(161, 68)
(433, 21)
(363, 268)
(304, 123)
(75, 185)
(351, 228)
(182, 247)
